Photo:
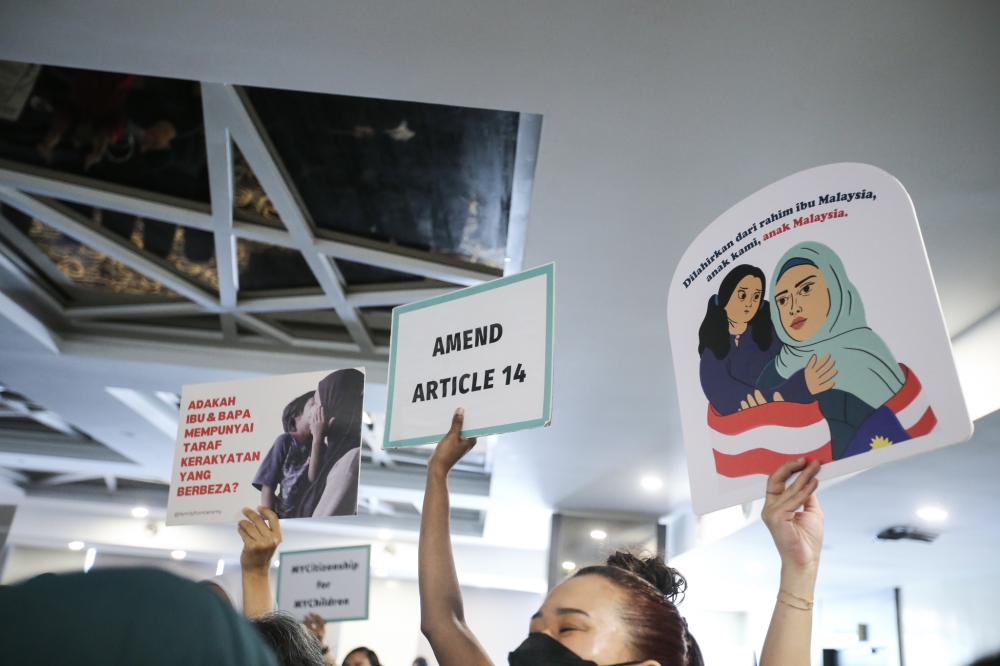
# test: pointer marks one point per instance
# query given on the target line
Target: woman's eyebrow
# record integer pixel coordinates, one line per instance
(804, 279)
(571, 611)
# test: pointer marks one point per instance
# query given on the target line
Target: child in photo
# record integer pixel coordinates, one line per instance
(291, 466)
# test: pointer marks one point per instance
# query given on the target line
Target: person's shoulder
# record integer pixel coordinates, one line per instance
(282, 442)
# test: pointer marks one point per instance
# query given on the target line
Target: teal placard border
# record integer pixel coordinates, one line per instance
(368, 580)
(549, 271)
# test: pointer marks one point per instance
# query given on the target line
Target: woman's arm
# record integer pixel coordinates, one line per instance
(442, 616)
(798, 536)
(259, 543)
(722, 389)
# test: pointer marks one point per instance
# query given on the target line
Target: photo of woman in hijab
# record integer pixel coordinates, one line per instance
(828, 347)
(737, 340)
(312, 468)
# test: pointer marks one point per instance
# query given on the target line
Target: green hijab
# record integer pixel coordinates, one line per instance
(123, 616)
(865, 366)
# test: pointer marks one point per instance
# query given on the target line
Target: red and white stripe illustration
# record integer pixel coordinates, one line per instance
(793, 430)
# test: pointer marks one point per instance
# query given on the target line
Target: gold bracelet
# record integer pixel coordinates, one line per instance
(808, 602)
(780, 600)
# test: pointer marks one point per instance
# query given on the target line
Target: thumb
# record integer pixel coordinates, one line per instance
(456, 422)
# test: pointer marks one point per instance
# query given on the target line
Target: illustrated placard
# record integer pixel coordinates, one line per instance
(804, 322)
(291, 443)
(486, 348)
(333, 583)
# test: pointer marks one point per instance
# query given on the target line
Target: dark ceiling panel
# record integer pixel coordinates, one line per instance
(144, 132)
(424, 176)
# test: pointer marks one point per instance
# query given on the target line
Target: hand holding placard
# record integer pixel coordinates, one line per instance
(260, 539)
(451, 449)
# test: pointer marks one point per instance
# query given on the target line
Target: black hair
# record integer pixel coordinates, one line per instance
(714, 331)
(419, 661)
(656, 629)
(370, 654)
(290, 641)
(293, 411)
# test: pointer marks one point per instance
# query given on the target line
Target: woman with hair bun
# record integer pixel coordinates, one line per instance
(622, 613)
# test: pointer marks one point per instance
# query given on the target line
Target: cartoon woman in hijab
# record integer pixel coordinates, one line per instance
(820, 319)
(736, 340)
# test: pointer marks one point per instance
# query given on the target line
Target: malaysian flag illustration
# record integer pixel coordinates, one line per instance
(795, 430)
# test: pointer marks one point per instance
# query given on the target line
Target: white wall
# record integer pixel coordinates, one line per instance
(950, 622)
(835, 627)
(722, 636)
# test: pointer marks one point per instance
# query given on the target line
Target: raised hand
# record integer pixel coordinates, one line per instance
(261, 533)
(316, 626)
(819, 375)
(451, 449)
(798, 535)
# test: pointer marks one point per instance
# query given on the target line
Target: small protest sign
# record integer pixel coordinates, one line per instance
(486, 348)
(804, 322)
(292, 443)
(332, 583)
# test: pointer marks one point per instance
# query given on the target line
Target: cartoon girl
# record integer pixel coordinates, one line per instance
(818, 314)
(736, 340)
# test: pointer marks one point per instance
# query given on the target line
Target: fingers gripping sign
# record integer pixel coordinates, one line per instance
(451, 449)
(261, 534)
(798, 535)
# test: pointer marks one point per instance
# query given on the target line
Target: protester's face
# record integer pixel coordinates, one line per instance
(803, 300)
(583, 614)
(745, 301)
(357, 659)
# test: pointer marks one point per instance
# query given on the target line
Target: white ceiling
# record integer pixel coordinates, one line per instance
(657, 118)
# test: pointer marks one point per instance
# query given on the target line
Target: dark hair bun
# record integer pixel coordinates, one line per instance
(653, 570)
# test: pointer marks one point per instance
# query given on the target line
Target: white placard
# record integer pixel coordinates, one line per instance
(332, 583)
(487, 349)
(828, 261)
(234, 448)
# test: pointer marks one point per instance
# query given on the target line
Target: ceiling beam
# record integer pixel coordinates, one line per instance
(377, 298)
(28, 323)
(219, 151)
(62, 479)
(72, 224)
(169, 309)
(261, 157)
(101, 194)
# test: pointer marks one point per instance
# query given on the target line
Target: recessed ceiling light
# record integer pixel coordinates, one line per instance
(569, 566)
(277, 563)
(381, 573)
(651, 483)
(385, 535)
(76, 545)
(934, 514)
(140, 512)
(598, 534)
(220, 567)
(178, 554)
(753, 568)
